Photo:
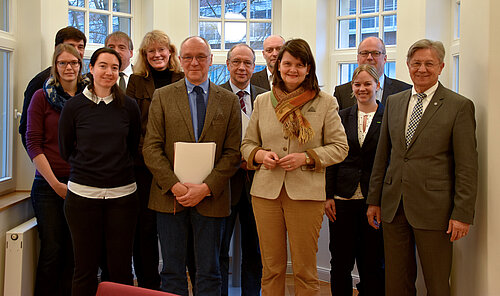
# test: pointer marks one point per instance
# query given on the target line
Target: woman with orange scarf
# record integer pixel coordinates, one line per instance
(294, 133)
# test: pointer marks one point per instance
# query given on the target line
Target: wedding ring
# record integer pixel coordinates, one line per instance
(289, 166)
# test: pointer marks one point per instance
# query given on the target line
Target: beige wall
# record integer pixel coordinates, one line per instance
(476, 261)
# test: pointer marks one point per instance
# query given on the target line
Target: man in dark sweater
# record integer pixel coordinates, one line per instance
(371, 51)
(68, 35)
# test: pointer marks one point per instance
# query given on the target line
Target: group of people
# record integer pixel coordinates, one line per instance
(105, 190)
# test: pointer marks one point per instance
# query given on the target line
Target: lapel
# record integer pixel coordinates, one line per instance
(212, 106)
(182, 101)
(435, 103)
(352, 127)
(252, 94)
(387, 88)
(399, 115)
(149, 86)
(375, 124)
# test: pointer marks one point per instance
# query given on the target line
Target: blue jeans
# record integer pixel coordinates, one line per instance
(55, 263)
(173, 231)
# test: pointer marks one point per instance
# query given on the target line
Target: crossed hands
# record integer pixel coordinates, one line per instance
(289, 163)
(188, 194)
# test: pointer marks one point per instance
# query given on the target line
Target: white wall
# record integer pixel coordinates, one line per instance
(476, 268)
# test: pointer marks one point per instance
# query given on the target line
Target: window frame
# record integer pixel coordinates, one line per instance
(8, 44)
(454, 51)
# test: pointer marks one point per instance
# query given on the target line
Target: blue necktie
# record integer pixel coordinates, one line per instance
(200, 108)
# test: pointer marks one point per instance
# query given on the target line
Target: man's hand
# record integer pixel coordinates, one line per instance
(330, 209)
(194, 195)
(373, 215)
(179, 189)
(457, 229)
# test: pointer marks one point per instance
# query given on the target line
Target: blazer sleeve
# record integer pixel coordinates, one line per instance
(466, 163)
(35, 125)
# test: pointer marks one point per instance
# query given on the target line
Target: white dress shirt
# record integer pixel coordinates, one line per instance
(246, 98)
(425, 102)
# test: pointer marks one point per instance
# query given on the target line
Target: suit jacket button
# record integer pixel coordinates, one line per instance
(285, 149)
(406, 159)
(285, 137)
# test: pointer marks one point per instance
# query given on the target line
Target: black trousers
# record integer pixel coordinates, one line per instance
(352, 239)
(94, 223)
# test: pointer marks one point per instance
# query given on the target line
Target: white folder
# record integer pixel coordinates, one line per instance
(193, 162)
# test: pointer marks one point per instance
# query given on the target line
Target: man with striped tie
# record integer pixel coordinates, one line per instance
(241, 63)
(424, 179)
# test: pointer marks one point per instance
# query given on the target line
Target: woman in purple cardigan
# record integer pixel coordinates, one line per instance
(55, 263)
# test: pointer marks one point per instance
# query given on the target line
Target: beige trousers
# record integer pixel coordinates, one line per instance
(302, 220)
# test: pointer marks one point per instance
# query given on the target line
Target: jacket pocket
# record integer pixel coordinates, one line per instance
(437, 185)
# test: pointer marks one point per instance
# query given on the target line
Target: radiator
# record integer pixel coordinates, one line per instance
(21, 257)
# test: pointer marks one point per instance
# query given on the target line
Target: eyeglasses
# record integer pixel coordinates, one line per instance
(374, 53)
(427, 65)
(189, 59)
(62, 64)
(236, 63)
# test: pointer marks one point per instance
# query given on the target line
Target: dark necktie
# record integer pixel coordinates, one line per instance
(243, 107)
(200, 108)
(121, 82)
(415, 117)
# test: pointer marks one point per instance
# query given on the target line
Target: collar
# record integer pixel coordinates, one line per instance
(128, 71)
(269, 73)
(190, 86)
(381, 79)
(94, 98)
(429, 92)
(236, 89)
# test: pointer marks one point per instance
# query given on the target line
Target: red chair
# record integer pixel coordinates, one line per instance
(114, 289)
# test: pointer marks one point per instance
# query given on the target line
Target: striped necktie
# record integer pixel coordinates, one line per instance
(415, 117)
(243, 107)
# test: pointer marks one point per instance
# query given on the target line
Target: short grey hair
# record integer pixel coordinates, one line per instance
(437, 46)
(191, 37)
(240, 45)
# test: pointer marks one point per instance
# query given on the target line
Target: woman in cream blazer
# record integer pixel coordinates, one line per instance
(293, 134)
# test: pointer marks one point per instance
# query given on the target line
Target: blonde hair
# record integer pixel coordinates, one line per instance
(142, 67)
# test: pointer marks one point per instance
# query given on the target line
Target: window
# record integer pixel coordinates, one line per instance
(4, 15)
(358, 19)
(456, 67)
(454, 51)
(219, 74)
(225, 23)
(346, 70)
(98, 18)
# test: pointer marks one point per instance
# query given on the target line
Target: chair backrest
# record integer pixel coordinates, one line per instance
(114, 289)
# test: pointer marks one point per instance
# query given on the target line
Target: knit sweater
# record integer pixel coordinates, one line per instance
(100, 141)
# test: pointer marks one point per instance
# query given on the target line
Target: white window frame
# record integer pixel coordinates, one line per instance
(8, 44)
(454, 55)
(91, 47)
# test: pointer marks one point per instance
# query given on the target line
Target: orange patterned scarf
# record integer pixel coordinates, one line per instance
(287, 107)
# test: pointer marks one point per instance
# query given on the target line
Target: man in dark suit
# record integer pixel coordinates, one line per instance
(371, 51)
(122, 43)
(68, 35)
(241, 63)
(192, 110)
(272, 46)
(424, 179)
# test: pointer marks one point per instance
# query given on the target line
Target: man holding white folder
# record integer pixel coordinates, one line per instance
(192, 110)
(241, 64)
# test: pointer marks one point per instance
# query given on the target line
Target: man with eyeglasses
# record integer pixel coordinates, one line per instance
(272, 46)
(241, 63)
(424, 179)
(68, 35)
(192, 110)
(371, 51)
(121, 43)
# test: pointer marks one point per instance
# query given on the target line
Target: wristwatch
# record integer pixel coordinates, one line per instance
(308, 159)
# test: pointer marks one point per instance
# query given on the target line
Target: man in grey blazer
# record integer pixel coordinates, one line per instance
(424, 179)
(192, 110)
(272, 46)
(241, 63)
(371, 51)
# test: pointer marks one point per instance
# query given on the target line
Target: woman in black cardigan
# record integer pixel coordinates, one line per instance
(351, 237)
(99, 133)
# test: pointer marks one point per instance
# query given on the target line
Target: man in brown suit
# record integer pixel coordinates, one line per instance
(272, 46)
(424, 180)
(177, 114)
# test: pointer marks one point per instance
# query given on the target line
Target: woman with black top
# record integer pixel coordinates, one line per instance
(99, 132)
(352, 239)
(157, 66)
(55, 263)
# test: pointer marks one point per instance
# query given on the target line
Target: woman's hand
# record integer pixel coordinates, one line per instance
(61, 189)
(268, 158)
(330, 209)
(292, 161)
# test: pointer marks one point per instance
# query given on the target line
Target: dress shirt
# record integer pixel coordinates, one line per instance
(425, 102)
(192, 103)
(269, 77)
(127, 72)
(246, 97)
(361, 133)
(380, 91)
(95, 192)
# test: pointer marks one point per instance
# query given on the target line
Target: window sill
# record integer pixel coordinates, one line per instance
(13, 198)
